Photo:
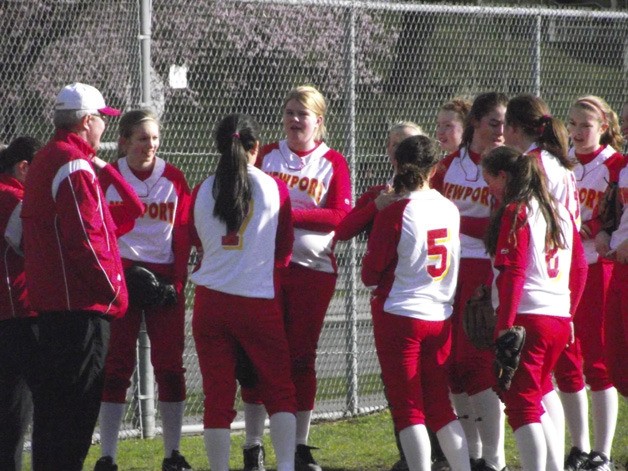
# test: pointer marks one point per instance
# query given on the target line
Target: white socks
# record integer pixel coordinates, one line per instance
(452, 441)
(171, 422)
(490, 423)
(555, 451)
(303, 426)
(415, 443)
(110, 419)
(576, 407)
(217, 446)
(466, 417)
(282, 433)
(553, 406)
(254, 420)
(531, 444)
(605, 406)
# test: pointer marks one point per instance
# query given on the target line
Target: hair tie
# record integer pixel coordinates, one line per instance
(235, 135)
(546, 118)
(543, 121)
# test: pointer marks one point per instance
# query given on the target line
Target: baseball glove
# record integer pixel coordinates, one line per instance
(478, 318)
(508, 347)
(610, 207)
(245, 371)
(146, 289)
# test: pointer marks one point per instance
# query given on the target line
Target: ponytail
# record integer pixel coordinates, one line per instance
(532, 115)
(236, 135)
(526, 180)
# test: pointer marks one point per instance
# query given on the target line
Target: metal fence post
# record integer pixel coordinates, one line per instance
(536, 54)
(351, 299)
(146, 383)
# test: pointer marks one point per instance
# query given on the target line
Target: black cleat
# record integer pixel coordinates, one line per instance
(105, 463)
(176, 462)
(254, 458)
(303, 459)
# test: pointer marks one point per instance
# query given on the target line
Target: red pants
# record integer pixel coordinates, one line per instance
(616, 328)
(546, 337)
(470, 368)
(304, 296)
(165, 327)
(222, 321)
(413, 354)
(586, 355)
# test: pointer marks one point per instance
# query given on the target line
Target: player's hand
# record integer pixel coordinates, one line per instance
(621, 253)
(572, 334)
(585, 232)
(386, 197)
(602, 243)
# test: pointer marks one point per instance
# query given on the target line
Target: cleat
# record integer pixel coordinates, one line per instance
(254, 458)
(303, 459)
(176, 462)
(598, 462)
(576, 459)
(441, 465)
(105, 463)
(400, 465)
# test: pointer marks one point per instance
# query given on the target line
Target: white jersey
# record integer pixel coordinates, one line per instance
(621, 234)
(241, 264)
(592, 180)
(150, 240)
(546, 287)
(319, 180)
(561, 182)
(413, 256)
(464, 185)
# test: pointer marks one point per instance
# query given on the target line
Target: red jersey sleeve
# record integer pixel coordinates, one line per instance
(180, 233)
(578, 271)
(381, 251)
(337, 205)
(285, 231)
(511, 261)
(361, 217)
(131, 208)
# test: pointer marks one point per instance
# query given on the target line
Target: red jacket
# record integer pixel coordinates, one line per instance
(13, 301)
(72, 260)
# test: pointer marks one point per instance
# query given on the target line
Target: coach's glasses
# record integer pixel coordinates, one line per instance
(105, 118)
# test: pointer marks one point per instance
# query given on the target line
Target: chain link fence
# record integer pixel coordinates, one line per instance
(376, 62)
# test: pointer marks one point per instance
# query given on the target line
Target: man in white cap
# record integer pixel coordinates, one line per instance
(74, 279)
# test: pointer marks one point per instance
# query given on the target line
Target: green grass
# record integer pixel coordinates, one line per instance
(358, 444)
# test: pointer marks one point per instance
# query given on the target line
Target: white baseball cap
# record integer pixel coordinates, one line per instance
(79, 96)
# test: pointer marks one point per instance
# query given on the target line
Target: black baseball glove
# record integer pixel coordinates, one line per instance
(479, 319)
(508, 347)
(147, 289)
(245, 371)
(610, 208)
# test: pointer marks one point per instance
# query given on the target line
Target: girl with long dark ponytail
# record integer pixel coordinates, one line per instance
(540, 269)
(241, 223)
(236, 136)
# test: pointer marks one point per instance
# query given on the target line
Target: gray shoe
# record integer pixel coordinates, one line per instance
(576, 459)
(254, 458)
(599, 462)
(303, 459)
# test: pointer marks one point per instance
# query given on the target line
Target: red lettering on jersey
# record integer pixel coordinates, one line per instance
(457, 192)
(293, 181)
(467, 192)
(153, 210)
(484, 197)
(163, 209)
(476, 194)
(447, 189)
(303, 183)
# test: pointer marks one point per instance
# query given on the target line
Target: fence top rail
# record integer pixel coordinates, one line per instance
(460, 9)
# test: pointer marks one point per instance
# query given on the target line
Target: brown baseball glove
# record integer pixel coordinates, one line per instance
(508, 347)
(610, 207)
(478, 318)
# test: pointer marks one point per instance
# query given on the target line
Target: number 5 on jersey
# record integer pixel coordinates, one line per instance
(437, 252)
